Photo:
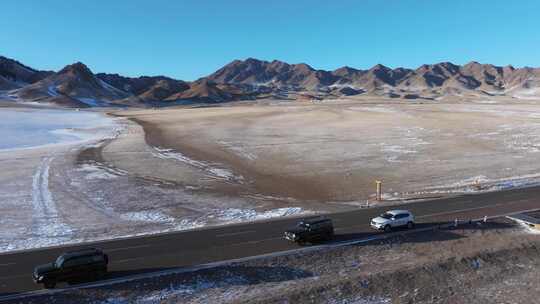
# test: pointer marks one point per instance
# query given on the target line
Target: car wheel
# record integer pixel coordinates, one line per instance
(326, 237)
(410, 225)
(330, 235)
(48, 284)
(387, 228)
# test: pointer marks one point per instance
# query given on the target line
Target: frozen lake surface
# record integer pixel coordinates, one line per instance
(25, 128)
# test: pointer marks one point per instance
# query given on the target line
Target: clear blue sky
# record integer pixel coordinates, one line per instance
(190, 39)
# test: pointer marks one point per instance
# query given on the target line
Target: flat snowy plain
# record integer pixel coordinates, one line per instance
(31, 141)
(69, 176)
(331, 153)
(27, 128)
(50, 194)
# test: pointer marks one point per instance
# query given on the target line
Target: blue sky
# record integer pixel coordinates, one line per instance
(190, 39)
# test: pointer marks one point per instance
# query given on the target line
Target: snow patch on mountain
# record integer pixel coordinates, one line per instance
(52, 91)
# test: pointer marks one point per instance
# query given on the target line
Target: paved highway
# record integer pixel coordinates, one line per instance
(160, 252)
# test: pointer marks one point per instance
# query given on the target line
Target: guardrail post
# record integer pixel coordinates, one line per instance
(455, 222)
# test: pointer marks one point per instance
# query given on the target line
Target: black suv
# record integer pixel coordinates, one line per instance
(311, 230)
(73, 267)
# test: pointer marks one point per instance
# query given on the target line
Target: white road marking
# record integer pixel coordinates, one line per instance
(434, 214)
(256, 241)
(16, 276)
(460, 210)
(235, 233)
(512, 195)
(128, 260)
(127, 248)
(7, 264)
(223, 263)
(346, 227)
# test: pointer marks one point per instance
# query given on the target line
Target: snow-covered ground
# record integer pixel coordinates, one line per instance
(26, 128)
(211, 169)
(47, 223)
(220, 216)
(482, 183)
(238, 164)
(99, 171)
(31, 141)
(237, 149)
(200, 285)
(52, 91)
(527, 228)
(334, 152)
(51, 195)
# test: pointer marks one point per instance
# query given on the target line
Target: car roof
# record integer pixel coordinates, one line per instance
(315, 220)
(395, 212)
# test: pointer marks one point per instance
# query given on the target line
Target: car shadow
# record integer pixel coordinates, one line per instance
(6, 294)
(445, 231)
(115, 274)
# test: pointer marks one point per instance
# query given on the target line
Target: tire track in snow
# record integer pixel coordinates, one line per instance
(46, 220)
(209, 169)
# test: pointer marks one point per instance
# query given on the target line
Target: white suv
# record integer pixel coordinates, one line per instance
(393, 218)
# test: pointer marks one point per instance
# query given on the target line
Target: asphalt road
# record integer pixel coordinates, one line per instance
(179, 249)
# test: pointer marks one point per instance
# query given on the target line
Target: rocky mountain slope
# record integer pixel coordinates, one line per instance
(430, 81)
(73, 85)
(145, 89)
(276, 73)
(14, 74)
(76, 85)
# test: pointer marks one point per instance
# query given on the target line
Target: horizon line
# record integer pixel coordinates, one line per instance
(127, 75)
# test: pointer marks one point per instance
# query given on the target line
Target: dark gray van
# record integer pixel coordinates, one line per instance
(311, 230)
(73, 267)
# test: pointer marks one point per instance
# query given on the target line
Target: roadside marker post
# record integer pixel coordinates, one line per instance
(378, 183)
(477, 184)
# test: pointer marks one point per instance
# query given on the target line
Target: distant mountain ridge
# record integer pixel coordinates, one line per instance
(145, 89)
(14, 74)
(76, 85)
(430, 81)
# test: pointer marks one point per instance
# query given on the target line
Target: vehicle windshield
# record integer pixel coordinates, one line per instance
(386, 216)
(58, 262)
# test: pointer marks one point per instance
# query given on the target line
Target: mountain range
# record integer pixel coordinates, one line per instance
(77, 86)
